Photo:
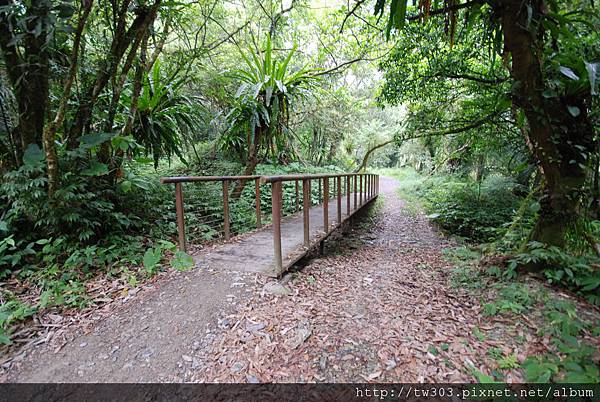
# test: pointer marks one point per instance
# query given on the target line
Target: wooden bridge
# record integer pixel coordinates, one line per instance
(316, 211)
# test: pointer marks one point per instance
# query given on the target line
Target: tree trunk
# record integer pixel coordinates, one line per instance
(251, 163)
(369, 152)
(480, 168)
(560, 142)
(49, 134)
(28, 69)
(108, 69)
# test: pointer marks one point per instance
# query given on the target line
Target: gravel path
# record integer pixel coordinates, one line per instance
(151, 339)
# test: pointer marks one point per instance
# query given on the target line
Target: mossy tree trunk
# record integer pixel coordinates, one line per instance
(560, 141)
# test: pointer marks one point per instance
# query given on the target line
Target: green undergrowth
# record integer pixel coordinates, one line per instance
(459, 205)
(53, 248)
(493, 219)
(564, 322)
(495, 216)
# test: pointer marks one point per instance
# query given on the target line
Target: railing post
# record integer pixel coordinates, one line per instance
(257, 201)
(355, 191)
(226, 208)
(326, 204)
(374, 181)
(180, 218)
(372, 186)
(306, 210)
(348, 195)
(297, 196)
(320, 192)
(276, 208)
(339, 199)
(360, 190)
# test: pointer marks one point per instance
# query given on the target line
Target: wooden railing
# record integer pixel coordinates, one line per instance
(353, 189)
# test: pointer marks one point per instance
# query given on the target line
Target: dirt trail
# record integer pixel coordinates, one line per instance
(151, 339)
(376, 307)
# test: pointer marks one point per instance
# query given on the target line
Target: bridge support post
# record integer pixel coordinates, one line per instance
(373, 187)
(306, 210)
(276, 203)
(374, 180)
(180, 218)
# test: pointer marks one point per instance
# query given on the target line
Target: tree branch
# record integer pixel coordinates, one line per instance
(347, 63)
(351, 12)
(444, 10)
(456, 130)
(468, 77)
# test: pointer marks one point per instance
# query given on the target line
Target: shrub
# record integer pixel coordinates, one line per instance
(475, 211)
(576, 273)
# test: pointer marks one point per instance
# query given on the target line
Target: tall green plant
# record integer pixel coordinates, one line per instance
(259, 117)
(165, 116)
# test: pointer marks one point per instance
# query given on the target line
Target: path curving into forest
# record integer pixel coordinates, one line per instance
(377, 306)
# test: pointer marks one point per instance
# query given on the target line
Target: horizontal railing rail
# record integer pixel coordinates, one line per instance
(356, 189)
(192, 179)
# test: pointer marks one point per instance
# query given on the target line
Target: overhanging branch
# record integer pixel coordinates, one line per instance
(445, 10)
(475, 124)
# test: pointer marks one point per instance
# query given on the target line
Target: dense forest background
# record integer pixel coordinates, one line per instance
(487, 112)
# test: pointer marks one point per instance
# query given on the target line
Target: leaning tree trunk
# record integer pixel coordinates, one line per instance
(251, 163)
(560, 142)
(365, 160)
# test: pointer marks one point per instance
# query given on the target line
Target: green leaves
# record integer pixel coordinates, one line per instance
(95, 169)
(95, 139)
(569, 73)
(182, 261)
(152, 257)
(261, 106)
(593, 71)
(397, 16)
(574, 110)
(33, 155)
(165, 116)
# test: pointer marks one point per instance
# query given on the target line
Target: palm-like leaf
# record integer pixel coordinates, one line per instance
(267, 88)
(164, 116)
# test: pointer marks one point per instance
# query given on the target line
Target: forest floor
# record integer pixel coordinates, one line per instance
(380, 305)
